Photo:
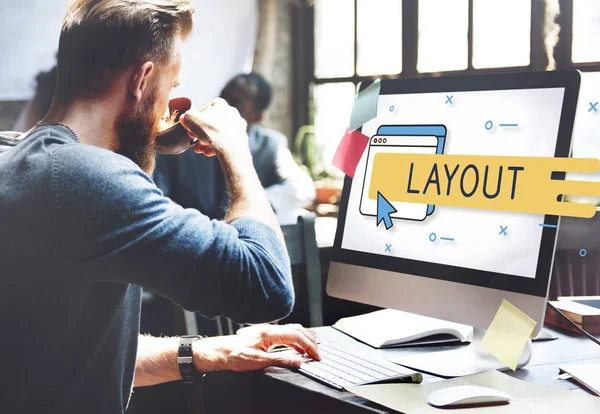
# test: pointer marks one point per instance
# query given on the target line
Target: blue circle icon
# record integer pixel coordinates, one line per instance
(432, 237)
(582, 252)
(489, 125)
(392, 108)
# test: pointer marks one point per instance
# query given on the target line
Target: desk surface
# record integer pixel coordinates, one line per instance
(281, 390)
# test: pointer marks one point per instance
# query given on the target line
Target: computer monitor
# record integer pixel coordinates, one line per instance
(452, 263)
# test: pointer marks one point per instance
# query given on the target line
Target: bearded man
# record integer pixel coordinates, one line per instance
(84, 228)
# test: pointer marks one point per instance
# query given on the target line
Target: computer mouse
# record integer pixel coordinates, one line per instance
(465, 395)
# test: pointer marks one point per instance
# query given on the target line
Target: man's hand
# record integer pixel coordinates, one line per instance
(221, 131)
(248, 350)
(219, 128)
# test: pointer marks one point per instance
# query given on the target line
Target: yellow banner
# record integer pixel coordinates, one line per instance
(521, 184)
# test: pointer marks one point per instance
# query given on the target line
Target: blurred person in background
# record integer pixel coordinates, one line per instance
(197, 182)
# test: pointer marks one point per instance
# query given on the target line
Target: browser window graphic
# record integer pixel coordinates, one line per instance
(395, 139)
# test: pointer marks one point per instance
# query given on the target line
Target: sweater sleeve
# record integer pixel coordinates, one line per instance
(117, 226)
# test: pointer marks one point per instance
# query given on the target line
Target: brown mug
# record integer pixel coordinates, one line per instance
(175, 139)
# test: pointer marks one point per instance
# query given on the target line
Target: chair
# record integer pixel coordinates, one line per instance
(301, 243)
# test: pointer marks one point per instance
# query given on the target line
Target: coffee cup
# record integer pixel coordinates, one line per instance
(175, 139)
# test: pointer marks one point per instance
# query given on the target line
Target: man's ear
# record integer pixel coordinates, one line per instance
(139, 80)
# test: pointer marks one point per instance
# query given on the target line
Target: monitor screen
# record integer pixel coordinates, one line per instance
(520, 122)
(492, 115)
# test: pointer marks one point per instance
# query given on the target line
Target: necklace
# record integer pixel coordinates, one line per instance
(40, 123)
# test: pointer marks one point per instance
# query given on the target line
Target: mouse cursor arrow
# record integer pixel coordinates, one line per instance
(384, 209)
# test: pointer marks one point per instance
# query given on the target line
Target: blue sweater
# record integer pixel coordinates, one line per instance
(82, 230)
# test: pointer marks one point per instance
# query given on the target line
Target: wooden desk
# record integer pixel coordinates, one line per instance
(278, 390)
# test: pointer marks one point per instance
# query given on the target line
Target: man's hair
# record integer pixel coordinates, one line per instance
(101, 38)
(264, 91)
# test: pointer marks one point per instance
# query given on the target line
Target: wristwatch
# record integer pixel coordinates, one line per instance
(185, 357)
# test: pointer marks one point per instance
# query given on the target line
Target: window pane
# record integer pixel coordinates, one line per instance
(586, 31)
(332, 105)
(443, 45)
(585, 131)
(501, 33)
(334, 38)
(379, 37)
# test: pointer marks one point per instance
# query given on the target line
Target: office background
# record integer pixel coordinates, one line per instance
(316, 52)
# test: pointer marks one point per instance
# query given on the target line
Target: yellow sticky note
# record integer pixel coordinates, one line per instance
(508, 333)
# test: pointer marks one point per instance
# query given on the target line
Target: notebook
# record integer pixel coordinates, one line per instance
(586, 374)
(590, 301)
(391, 328)
(583, 310)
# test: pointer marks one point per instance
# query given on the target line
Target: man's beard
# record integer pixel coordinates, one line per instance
(137, 135)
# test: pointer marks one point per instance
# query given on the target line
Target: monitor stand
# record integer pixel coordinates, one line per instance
(466, 360)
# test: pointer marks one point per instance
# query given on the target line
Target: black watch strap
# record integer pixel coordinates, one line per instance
(185, 357)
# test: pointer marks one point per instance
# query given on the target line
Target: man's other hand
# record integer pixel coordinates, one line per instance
(218, 127)
(249, 349)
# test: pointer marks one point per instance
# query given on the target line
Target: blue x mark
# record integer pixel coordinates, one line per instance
(388, 247)
(503, 230)
(593, 106)
(449, 99)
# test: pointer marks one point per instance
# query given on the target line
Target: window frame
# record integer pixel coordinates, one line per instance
(303, 44)
(410, 14)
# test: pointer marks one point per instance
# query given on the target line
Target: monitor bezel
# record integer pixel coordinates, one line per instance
(538, 286)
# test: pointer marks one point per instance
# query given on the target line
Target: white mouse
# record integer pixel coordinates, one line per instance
(466, 395)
